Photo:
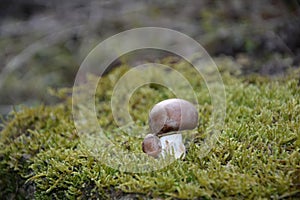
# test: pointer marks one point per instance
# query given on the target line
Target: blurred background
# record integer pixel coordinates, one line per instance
(42, 43)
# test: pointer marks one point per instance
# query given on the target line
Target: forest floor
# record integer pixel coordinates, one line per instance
(255, 46)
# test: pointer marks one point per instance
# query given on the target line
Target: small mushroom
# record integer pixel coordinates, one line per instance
(152, 145)
(165, 120)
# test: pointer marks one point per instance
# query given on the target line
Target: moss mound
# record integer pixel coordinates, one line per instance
(257, 154)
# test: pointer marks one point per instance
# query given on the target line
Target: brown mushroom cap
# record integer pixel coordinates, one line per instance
(152, 145)
(172, 115)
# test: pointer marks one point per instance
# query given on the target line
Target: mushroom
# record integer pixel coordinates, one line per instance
(152, 145)
(166, 119)
(172, 115)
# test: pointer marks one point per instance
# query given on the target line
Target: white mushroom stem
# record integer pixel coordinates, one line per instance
(172, 144)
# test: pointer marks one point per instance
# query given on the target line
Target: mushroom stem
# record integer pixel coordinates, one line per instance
(172, 144)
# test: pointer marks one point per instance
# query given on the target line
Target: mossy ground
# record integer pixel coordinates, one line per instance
(256, 157)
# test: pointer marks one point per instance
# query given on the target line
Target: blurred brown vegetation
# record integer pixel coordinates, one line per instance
(43, 42)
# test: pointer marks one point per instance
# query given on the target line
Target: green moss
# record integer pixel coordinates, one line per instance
(257, 154)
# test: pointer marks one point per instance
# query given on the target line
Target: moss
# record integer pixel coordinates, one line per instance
(257, 154)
